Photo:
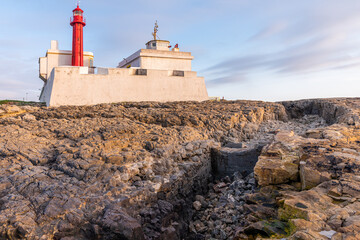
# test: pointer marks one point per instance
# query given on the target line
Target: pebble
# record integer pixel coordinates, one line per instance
(197, 205)
(228, 197)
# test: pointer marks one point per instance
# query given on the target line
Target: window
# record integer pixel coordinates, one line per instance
(142, 72)
(178, 73)
(154, 44)
(77, 13)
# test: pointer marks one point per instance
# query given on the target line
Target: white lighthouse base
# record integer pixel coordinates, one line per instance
(75, 86)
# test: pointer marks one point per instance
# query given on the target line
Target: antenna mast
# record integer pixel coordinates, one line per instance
(155, 31)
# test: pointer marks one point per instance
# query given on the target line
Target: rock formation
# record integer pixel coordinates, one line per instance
(187, 170)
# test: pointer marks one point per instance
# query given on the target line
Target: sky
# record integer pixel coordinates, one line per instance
(269, 50)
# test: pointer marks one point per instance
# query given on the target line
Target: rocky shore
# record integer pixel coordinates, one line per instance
(211, 170)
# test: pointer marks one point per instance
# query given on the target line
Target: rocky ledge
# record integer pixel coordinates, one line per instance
(211, 170)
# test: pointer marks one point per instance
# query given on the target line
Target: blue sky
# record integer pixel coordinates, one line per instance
(246, 49)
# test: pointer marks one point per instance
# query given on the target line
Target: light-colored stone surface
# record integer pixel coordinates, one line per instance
(101, 172)
(67, 86)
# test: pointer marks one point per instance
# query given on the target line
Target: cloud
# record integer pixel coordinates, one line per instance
(225, 80)
(312, 56)
(19, 78)
(242, 40)
(314, 43)
(347, 66)
(269, 31)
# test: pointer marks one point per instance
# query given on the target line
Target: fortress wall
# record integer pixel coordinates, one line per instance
(67, 86)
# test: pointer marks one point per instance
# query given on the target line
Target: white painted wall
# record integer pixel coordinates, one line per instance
(134, 63)
(158, 59)
(132, 60)
(55, 58)
(68, 87)
(161, 64)
(158, 45)
(45, 95)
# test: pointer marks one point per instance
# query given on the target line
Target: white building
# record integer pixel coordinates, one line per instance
(56, 58)
(152, 74)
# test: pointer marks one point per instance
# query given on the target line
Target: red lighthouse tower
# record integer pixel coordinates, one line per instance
(77, 22)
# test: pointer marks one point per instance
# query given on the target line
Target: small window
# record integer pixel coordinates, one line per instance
(142, 72)
(77, 13)
(154, 44)
(178, 73)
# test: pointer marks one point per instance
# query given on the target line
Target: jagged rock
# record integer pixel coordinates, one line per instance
(122, 225)
(311, 177)
(308, 235)
(132, 170)
(279, 162)
(29, 117)
(11, 108)
(267, 229)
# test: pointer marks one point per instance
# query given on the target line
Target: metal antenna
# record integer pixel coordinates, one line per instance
(155, 31)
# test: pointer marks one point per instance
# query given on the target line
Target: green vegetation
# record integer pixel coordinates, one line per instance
(289, 212)
(21, 103)
(273, 229)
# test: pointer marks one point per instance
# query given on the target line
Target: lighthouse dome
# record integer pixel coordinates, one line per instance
(78, 11)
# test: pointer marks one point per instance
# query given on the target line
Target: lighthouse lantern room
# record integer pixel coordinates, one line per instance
(77, 22)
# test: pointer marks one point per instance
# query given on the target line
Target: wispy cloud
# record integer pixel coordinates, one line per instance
(226, 80)
(269, 31)
(315, 43)
(235, 41)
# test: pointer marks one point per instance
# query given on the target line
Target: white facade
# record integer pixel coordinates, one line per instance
(55, 57)
(158, 59)
(162, 45)
(68, 86)
(152, 74)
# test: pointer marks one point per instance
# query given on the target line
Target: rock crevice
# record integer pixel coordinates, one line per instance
(180, 170)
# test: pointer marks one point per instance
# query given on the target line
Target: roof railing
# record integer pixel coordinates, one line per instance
(72, 19)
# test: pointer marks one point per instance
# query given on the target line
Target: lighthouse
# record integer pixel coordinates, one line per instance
(152, 74)
(77, 22)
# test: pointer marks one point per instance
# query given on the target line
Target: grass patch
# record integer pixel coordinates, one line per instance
(22, 103)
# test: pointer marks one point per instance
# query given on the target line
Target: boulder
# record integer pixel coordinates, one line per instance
(121, 225)
(29, 117)
(273, 229)
(307, 235)
(279, 161)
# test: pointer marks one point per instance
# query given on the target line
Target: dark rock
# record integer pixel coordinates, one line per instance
(122, 225)
(267, 229)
